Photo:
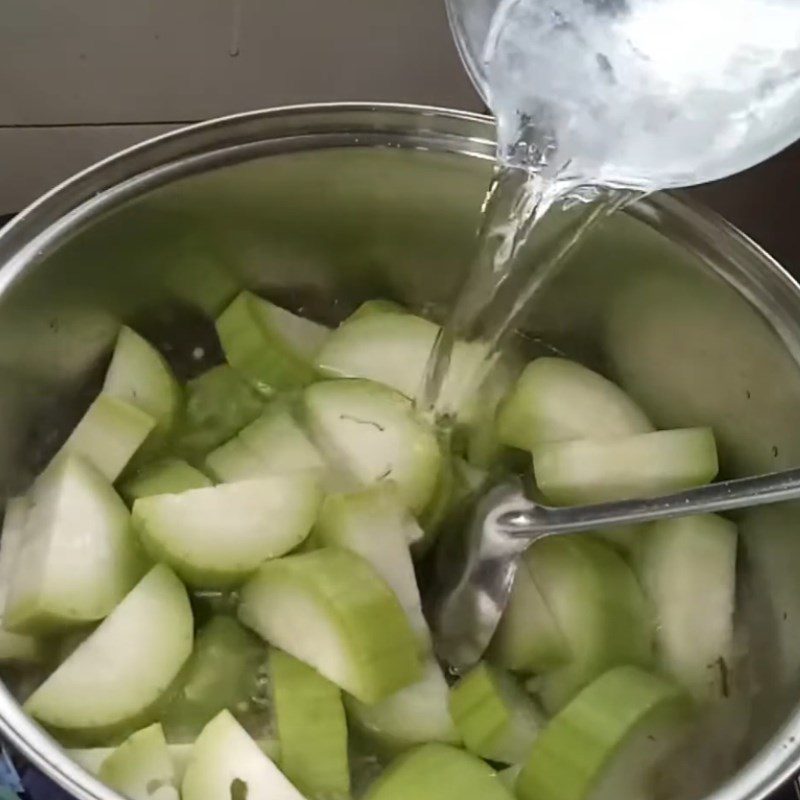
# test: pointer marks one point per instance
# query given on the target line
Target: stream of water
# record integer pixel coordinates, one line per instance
(529, 225)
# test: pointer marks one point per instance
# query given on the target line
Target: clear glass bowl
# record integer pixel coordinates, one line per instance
(643, 94)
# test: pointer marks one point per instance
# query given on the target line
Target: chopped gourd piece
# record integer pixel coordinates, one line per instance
(558, 400)
(271, 347)
(438, 772)
(217, 536)
(496, 718)
(688, 569)
(234, 461)
(141, 767)
(604, 744)
(330, 609)
(93, 758)
(139, 375)
(168, 476)
(643, 465)
(219, 403)
(226, 764)
(528, 638)
(117, 675)
(14, 647)
(373, 434)
(311, 726)
(373, 523)
(109, 435)
(377, 306)
(392, 348)
(599, 607)
(78, 557)
(272, 443)
(222, 672)
(415, 715)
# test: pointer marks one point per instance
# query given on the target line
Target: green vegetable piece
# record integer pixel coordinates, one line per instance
(118, 674)
(168, 476)
(643, 465)
(77, 558)
(141, 767)
(14, 647)
(222, 672)
(109, 435)
(372, 434)
(598, 606)
(93, 758)
(330, 609)
(438, 772)
(271, 347)
(377, 306)
(415, 715)
(528, 638)
(374, 524)
(605, 743)
(260, 519)
(494, 715)
(392, 349)
(509, 775)
(556, 400)
(312, 730)
(272, 443)
(219, 403)
(139, 375)
(688, 569)
(226, 764)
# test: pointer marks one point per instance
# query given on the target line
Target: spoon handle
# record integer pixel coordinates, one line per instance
(534, 520)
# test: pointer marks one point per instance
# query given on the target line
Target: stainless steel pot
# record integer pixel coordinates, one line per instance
(323, 206)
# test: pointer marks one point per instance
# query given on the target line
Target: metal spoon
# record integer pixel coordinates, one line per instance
(476, 569)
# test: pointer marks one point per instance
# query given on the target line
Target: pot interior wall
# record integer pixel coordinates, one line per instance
(322, 230)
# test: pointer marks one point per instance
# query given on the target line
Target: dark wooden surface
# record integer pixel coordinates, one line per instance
(763, 203)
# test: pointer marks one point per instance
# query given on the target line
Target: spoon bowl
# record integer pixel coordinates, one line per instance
(477, 567)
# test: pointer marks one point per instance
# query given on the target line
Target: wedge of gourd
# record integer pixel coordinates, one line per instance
(141, 768)
(77, 558)
(15, 647)
(109, 435)
(495, 717)
(392, 347)
(528, 638)
(167, 476)
(311, 728)
(688, 569)
(556, 400)
(642, 465)
(438, 772)
(373, 434)
(222, 672)
(330, 609)
(140, 376)
(226, 764)
(415, 715)
(599, 608)
(373, 523)
(604, 744)
(116, 676)
(216, 536)
(273, 442)
(219, 403)
(273, 348)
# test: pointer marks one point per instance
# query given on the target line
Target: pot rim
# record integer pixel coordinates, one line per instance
(47, 222)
